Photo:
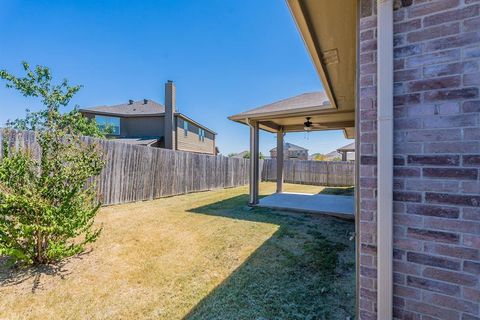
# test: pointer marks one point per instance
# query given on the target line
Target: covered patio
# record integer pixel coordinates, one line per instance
(331, 109)
(306, 112)
(334, 205)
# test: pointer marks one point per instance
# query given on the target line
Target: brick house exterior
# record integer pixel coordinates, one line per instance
(436, 207)
(418, 198)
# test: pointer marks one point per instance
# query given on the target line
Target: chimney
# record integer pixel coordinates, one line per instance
(169, 124)
(145, 101)
(130, 101)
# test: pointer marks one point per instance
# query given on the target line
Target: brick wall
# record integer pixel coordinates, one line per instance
(436, 155)
(367, 157)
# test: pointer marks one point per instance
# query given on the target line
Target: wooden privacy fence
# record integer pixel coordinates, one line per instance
(135, 173)
(322, 173)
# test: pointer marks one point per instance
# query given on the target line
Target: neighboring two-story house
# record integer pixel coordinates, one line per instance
(291, 151)
(149, 123)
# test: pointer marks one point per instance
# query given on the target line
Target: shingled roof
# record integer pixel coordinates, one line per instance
(293, 104)
(289, 147)
(137, 108)
(289, 115)
(348, 148)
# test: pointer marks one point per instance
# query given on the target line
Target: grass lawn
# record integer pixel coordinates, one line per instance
(196, 256)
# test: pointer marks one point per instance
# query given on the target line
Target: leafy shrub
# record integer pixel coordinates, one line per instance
(48, 202)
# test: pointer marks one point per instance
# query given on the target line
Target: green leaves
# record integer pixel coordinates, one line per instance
(48, 205)
(37, 82)
(48, 201)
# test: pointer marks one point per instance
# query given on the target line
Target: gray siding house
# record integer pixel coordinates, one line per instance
(291, 151)
(149, 123)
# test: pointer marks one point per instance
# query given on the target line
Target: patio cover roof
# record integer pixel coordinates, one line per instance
(291, 113)
(329, 31)
(348, 148)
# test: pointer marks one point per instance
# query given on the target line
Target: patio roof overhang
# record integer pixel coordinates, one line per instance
(290, 114)
(329, 30)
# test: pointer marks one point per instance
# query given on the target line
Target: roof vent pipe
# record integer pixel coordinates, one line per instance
(130, 101)
(145, 101)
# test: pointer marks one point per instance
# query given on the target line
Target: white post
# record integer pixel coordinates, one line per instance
(254, 162)
(280, 160)
(385, 159)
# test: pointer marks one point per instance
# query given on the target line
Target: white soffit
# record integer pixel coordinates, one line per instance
(328, 28)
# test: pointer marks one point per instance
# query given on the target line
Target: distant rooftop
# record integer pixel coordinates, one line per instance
(290, 147)
(141, 141)
(141, 108)
(241, 154)
(333, 154)
(135, 108)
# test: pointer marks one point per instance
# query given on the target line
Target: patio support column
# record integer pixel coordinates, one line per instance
(280, 159)
(344, 156)
(254, 162)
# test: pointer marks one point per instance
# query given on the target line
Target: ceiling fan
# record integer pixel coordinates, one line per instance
(309, 125)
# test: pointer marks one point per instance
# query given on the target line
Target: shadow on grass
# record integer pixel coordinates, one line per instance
(349, 191)
(304, 271)
(16, 275)
(12, 276)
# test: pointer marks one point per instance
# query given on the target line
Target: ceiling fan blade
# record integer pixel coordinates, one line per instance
(319, 126)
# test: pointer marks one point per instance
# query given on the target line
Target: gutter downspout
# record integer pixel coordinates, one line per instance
(357, 167)
(385, 159)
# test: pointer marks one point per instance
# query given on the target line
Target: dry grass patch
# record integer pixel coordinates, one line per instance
(197, 256)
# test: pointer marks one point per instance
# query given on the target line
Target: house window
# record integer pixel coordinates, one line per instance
(201, 135)
(185, 128)
(108, 124)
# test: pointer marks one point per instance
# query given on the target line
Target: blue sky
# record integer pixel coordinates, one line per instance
(225, 56)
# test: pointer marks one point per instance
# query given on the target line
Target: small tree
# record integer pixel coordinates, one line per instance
(48, 203)
(319, 157)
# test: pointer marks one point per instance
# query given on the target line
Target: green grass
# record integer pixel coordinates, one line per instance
(304, 271)
(197, 256)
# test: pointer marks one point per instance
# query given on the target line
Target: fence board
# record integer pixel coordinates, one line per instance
(321, 173)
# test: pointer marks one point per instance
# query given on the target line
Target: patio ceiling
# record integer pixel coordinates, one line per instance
(329, 31)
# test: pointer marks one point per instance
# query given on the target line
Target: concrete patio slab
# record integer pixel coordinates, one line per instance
(334, 205)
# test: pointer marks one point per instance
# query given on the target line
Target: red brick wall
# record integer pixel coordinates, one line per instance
(368, 159)
(437, 160)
